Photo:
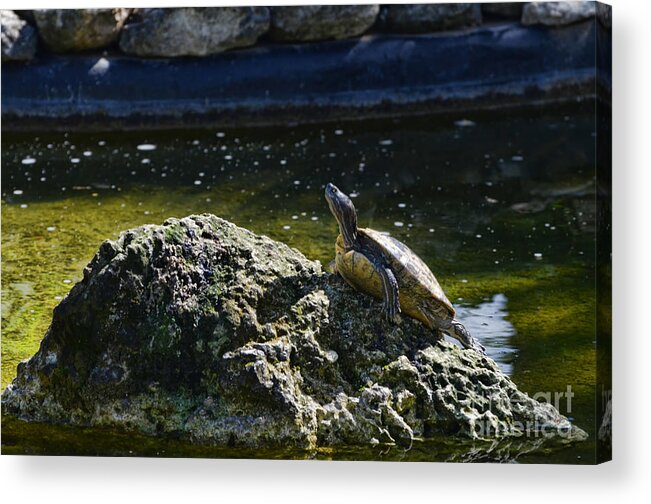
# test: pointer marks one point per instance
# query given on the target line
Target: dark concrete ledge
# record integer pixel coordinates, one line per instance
(375, 76)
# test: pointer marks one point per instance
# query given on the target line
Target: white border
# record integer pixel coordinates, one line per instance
(103, 480)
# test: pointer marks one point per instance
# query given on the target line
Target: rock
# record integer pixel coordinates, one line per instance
(79, 29)
(419, 18)
(193, 31)
(320, 22)
(19, 39)
(502, 10)
(204, 331)
(27, 15)
(557, 13)
(604, 14)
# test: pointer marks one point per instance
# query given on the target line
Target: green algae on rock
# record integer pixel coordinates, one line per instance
(204, 331)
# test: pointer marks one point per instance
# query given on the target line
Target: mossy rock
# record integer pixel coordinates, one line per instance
(202, 330)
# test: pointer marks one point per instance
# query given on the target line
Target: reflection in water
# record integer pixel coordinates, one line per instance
(487, 323)
(32, 438)
(494, 204)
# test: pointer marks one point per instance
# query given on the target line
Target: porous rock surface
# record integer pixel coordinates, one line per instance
(557, 13)
(320, 22)
(204, 331)
(19, 39)
(191, 31)
(79, 29)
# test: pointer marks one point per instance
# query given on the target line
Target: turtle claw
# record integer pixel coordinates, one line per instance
(475, 345)
(478, 347)
(391, 313)
(458, 331)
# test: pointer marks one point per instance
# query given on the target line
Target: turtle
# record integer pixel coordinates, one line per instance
(379, 265)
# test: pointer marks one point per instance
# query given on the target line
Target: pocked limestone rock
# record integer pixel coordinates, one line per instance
(193, 31)
(200, 329)
(320, 22)
(79, 29)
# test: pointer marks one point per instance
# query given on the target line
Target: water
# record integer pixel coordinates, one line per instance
(500, 206)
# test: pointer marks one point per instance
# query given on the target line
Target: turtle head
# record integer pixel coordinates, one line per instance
(344, 211)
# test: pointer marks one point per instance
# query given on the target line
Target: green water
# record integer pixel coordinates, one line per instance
(501, 206)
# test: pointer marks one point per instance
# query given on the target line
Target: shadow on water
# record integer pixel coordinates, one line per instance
(501, 207)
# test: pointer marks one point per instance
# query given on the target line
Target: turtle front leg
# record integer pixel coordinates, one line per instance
(391, 297)
(457, 330)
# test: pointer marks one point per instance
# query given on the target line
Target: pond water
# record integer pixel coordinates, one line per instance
(499, 205)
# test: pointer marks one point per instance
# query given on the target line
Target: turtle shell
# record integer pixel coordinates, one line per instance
(420, 294)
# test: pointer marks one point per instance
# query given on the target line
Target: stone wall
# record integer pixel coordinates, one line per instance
(178, 32)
